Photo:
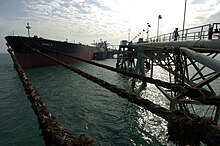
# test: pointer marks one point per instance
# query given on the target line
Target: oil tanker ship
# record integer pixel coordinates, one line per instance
(22, 47)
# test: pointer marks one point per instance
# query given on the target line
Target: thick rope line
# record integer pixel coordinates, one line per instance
(130, 74)
(208, 134)
(119, 91)
(204, 97)
(212, 131)
(54, 133)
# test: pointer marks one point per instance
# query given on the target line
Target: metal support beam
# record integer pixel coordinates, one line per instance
(203, 59)
(139, 69)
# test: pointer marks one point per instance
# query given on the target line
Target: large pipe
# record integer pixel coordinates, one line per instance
(214, 44)
(203, 59)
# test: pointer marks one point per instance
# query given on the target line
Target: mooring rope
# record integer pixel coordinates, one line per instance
(211, 134)
(203, 96)
(130, 74)
(54, 133)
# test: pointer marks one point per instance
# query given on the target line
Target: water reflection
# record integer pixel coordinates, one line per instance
(88, 108)
(151, 128)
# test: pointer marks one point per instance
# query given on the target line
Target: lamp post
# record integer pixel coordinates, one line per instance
(139, 35)
(159, 17)
(148, 25)
(184, 19)
(143, 33)
(129, 30)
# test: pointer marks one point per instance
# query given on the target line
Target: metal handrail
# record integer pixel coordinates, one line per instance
(194, 33)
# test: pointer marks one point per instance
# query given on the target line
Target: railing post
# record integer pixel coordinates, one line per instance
(201, 33)
(186, 33)
(170, 36)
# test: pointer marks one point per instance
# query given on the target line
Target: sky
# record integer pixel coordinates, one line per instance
(86, 21)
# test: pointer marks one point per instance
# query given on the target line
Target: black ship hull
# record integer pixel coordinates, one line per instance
(23, 48)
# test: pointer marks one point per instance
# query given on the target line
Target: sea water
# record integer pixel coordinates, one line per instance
(82, 106)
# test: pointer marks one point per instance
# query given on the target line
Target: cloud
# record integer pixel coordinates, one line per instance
(214, 18)
(84, 20)
(11, 9)
(88, 20)
(198, 1)
(205, 11)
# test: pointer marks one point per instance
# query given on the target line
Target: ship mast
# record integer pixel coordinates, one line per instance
(28, 27)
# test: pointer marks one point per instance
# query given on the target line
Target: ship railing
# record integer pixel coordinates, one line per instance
(194, 33)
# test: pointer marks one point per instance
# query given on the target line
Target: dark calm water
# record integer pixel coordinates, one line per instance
(80, 105)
